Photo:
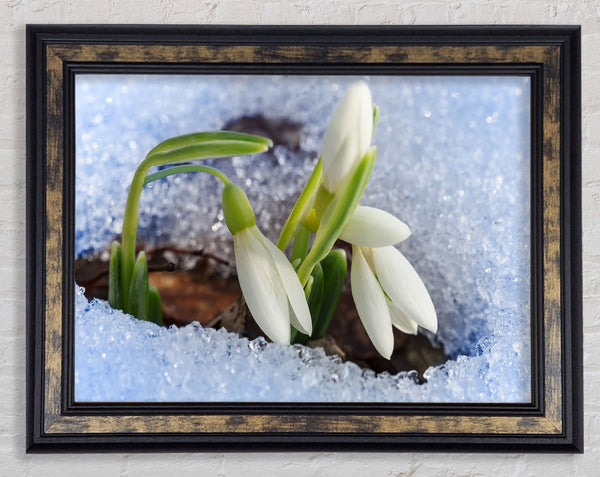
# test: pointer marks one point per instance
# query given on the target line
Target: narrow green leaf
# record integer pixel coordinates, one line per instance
(296, 263)
(169, 171)
(308, 286)
(155, 306)
(300, 246)
(322, 200)
(316, 294)
(314, 300)
(114, 275)
(337, 214)
(294, 333)
(139, 298)
(334, 275)
(341, 208)
(212, 150)
(208, 136)
(301, 207)
(375, 118)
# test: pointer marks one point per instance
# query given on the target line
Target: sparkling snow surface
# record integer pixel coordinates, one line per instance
(453, 163)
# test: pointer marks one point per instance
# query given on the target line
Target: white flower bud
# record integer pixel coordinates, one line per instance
(348, 136)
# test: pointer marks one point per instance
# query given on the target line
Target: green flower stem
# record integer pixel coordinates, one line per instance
(129, 233)
(195, 146)
(186, 168)
(114, 276)
(337, 214)
(301, 208)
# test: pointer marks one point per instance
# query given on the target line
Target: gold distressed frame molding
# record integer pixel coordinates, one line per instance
(549, 55)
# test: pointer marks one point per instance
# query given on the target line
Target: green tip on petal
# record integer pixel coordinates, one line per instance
(237, 209)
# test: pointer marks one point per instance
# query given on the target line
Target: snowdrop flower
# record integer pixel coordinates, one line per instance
(371, 227)
(388, 292)
(348, 135)
(268, 281)
(330, 199)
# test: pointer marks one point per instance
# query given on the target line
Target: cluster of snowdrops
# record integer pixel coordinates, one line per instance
(293, 300)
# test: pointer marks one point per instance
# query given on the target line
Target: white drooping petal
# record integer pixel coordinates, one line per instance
(348, 135)
(371, 227)
(262, 286)
(401, 321)
(371, 304)
(403, 285)
(300, 316)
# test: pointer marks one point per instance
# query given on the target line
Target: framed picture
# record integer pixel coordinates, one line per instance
(269, 238)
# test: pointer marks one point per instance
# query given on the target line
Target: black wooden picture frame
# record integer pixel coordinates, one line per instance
(549, 55)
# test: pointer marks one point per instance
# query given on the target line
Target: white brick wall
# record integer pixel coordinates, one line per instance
(14, 14)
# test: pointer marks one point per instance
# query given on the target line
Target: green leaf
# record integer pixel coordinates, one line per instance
(300, 246)
(296, 263)
(294, 333)
(337, 214)
(315, 300)
(301, 207)
(334, 275)
(208, 136)
(308, 286)
(375, 118)
(139, 298)
(114, 277)
(316, 293)
(212, 150)
(322, 200)
(155, 306)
